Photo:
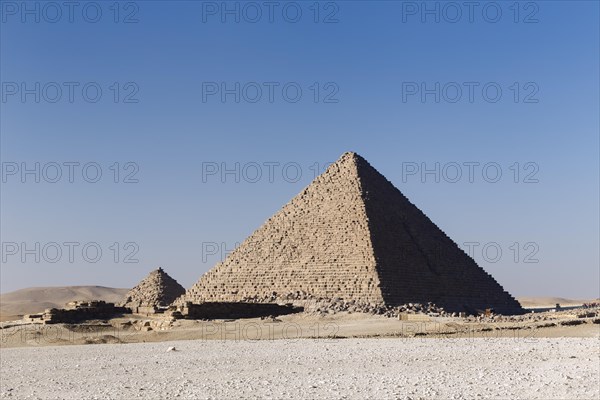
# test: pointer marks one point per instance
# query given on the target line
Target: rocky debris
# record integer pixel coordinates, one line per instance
(587, 314)
(584, 314)
(591, 305)
(157, 290)
(323, 306)
(320, 305)
(270, 318)
(572, 322)
(146, 325)
(104, 339)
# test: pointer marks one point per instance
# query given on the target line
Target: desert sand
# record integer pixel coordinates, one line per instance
(549, 355)
(135, 328)
(307, 368)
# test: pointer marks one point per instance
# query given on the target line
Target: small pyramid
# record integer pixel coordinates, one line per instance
(158, 289)
(352, 235)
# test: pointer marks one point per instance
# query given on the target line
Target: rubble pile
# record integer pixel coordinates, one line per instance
(320, 305)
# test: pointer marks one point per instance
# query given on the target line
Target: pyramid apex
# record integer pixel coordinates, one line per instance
(351, 156)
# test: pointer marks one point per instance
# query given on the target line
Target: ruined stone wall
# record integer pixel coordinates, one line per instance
(235, 310)
(79, 312)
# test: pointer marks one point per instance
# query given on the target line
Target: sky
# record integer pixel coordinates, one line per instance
(152, 133)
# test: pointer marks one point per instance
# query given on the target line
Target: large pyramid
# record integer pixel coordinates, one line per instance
(158, 289)
(352, 235)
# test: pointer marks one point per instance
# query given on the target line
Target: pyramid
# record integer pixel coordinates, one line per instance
(158, 289)
(352, 235)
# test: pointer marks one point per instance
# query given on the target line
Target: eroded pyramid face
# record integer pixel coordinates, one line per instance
(158, 289)
(352, 235)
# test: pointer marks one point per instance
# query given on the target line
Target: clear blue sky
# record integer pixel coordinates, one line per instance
(369, 68)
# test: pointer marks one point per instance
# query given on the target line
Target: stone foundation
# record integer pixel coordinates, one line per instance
(78, 311)
(235, 310)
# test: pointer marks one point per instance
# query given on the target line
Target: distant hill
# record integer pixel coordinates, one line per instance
(36, 299)
(532, 302)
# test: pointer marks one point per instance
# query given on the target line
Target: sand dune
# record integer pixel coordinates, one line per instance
(37, 299)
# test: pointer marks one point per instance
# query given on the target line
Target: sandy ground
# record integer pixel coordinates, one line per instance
(551, 355)
(565, 368)
(308, 326)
